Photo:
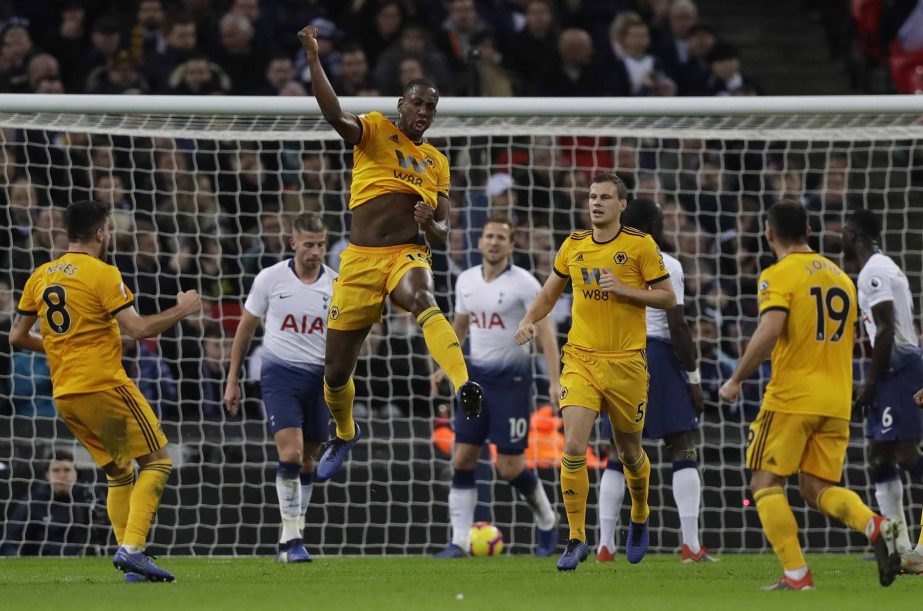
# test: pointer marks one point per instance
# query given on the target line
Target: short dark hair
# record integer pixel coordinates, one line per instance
(789, 221)
(614, 178)
(421, 82)
(640, 214)
(308, 221)
(866, 223)
(83, 218)
(60, 455)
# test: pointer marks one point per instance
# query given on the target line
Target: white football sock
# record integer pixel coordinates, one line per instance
(461, 509)
(611, 493)
(687, 494)
(890, 497)
(289, 493)
(306, 490)
(545, 517)
(797, 574)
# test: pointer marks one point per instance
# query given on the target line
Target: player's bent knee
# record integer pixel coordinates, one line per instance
(159, 455)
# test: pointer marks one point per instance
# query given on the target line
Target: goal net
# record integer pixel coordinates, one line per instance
(203, 191)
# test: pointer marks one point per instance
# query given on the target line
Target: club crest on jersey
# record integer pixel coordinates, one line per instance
(334, 313)
(563, 392)
(620, 257)
(429, 161)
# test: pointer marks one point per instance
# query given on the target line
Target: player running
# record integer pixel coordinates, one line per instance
(292, 297)
(894, 426)
(807, 323)
(400, 187)
(674, 404)
(490, 300)
(617, 272)
(82, 303)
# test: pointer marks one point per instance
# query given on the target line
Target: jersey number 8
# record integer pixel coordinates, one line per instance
(59, 319)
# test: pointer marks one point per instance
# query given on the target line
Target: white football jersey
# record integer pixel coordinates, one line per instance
(657, 325)
(882, 280)
(294, 313)
(494, 310)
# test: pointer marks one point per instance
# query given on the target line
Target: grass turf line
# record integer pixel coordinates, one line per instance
(511, 582)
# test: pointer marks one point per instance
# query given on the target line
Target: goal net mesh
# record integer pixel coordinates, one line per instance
(204, 202)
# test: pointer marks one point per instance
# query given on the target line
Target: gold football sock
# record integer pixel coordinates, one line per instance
(443, 344)
(846, 506)
(340, 403)
(575, 485)
(638, 477)
(118, 501)
(145, 499)
(780, 527)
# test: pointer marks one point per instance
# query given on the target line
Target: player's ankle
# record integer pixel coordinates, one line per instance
(796, 574)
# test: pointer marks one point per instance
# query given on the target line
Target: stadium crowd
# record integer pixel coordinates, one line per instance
(199, 214)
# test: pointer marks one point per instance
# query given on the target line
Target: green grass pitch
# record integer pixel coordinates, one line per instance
(510, 582)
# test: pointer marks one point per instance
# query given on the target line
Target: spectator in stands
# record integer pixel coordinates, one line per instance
(152, 374)
(727, 77)
(493, 79)
(120, 76)
(693, 77)
(672, 44)
(454, 38)
(180, 41)
(354, 71)
(16, 51)
(66, 43)
(714, 365)
(280, 71)
(830, 196)
(31, 392)
(110, 189)
(262, 28)
(147, 35)
(244, 64)
(146, 272)
(413, 41)
(56, 517)
(399, 370)
(534, 49)
(105, 42)
(215, 354)
(44, 73)
(198, 76)
(576, 73)
(636, 71)
(269, 249)
(384, 29)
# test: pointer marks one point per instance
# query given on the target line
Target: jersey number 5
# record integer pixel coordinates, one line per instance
(833, 305)
(59, 319)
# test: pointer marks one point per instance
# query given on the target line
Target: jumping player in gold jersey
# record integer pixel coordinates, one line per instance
(617, 271)
(400, 188)
(808, 312)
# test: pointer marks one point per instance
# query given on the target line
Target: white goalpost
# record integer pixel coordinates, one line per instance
(203, 188)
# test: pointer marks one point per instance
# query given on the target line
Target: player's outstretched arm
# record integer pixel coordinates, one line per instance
(21, 335)
(239, 348)
(142, 327)
(764, 339)
(345, 123)
(540, 308)
(684, 347)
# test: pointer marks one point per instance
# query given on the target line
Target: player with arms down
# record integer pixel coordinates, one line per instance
(81, 303)
(490, 300)
(807, 324)
(399, 188)
(894, 426)
(617, 273)
(292, 297)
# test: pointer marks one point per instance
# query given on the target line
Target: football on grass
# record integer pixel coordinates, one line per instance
(485, 540)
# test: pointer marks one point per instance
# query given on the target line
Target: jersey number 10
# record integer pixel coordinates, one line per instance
(833, 305)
